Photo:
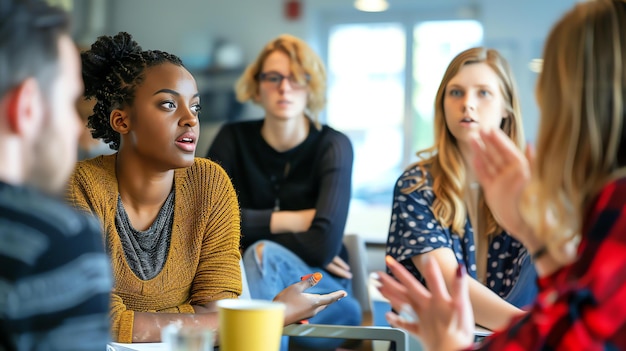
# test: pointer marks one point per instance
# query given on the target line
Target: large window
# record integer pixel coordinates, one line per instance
(383, 78)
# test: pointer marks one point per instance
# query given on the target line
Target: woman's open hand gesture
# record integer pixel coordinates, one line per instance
(301, 305)
(441, 320)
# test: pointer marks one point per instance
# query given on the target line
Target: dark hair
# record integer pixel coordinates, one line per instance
(112, 69)
(29, 42)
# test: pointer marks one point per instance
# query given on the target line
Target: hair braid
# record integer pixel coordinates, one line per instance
(112, 69)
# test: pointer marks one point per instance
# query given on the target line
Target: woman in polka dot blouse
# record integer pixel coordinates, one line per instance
(438, 207)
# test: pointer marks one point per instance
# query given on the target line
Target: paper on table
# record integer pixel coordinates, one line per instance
(156, 346)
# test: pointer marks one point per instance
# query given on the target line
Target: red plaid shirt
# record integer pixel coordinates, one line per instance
(582, 306)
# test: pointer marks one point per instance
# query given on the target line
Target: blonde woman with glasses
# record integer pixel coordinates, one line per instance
(293, 178)
(439, 210)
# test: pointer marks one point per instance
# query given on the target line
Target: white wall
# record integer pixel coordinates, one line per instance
(166, 24)
(524, 25)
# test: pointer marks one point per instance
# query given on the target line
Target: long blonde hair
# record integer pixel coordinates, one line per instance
(581, 94)
(444, 158)
(304, 62)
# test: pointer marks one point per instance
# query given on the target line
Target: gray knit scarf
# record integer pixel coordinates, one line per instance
(146, 251)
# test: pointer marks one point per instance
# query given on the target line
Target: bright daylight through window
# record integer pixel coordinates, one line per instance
(387, 119)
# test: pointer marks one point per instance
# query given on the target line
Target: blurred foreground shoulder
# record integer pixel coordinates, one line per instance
(46, 248)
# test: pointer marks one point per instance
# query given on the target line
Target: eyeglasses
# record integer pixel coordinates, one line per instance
(276, 79)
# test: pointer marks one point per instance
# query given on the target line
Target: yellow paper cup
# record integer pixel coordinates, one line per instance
(250, 325)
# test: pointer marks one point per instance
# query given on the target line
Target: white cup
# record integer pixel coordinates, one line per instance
(178, 338)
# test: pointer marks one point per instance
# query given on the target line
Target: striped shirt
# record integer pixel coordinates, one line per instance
(55, 277)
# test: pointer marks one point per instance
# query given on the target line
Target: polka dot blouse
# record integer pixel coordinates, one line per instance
(414, 230)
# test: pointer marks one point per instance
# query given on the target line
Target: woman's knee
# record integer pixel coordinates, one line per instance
(256, 250)
(270, 253)
(268, 248)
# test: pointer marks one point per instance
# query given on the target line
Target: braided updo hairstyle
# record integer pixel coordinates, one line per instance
(112, 69)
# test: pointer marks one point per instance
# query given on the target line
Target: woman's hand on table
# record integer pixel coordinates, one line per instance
(301, 305)
(445, 322)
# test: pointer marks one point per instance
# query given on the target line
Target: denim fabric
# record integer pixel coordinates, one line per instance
(525, 290)
(281, 268)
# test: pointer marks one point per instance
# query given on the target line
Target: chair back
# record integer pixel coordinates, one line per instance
(358, 266)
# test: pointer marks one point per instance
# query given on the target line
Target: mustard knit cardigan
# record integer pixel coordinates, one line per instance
(203, 259)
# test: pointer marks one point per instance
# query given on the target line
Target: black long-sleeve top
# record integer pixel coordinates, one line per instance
(315, 174)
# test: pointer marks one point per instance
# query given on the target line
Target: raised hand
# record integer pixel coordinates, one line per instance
(442, 321)
(503, 172)
(301, 305)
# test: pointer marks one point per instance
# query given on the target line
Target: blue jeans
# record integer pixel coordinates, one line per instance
(525, 289)
(281, 268)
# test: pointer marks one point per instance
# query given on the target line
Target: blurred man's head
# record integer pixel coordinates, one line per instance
(40, 82)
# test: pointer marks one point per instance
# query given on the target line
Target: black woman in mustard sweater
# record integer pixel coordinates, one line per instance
(170, 220)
